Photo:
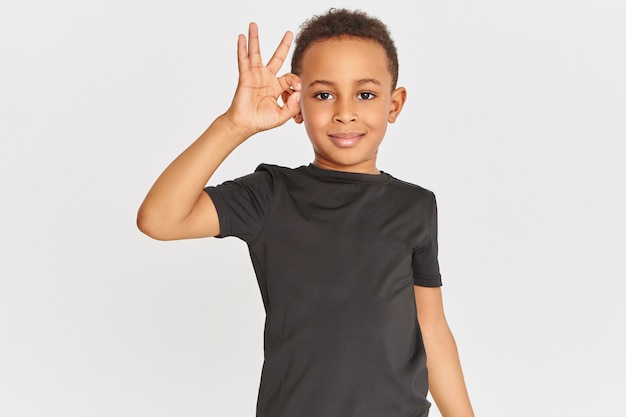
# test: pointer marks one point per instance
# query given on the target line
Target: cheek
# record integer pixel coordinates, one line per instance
(304, 109)
(312, 115)
(379, 115)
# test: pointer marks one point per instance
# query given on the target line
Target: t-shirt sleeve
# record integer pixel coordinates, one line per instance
(243, 204)
(425, 256)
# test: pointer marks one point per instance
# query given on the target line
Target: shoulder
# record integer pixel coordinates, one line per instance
(279, 169)
(262, 180)
(263, 173)
(274, 169)
(282, 174)
(412, 189)
(266, 178)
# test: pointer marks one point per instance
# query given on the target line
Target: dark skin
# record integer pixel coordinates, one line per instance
(345, 118)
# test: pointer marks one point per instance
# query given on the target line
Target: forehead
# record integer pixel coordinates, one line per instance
(346, 58)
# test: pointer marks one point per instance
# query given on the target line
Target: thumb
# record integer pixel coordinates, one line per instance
(292, 105)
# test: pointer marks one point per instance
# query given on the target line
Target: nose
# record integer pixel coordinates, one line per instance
(344, 111)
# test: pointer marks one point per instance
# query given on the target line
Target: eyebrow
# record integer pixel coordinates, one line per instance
(357, 82)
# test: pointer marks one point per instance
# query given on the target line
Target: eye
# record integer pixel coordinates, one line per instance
(366, 95)
(324, 96)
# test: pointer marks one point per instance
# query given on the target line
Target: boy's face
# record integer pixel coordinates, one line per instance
(347, 101)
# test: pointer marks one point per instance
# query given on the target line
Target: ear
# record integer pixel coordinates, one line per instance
(298, 117)
(398, 98)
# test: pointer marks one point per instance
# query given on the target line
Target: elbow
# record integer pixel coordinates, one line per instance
(150, 225)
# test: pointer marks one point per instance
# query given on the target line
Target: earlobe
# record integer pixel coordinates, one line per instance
(298, 118)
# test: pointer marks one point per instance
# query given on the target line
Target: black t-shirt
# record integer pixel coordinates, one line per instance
(336, 256)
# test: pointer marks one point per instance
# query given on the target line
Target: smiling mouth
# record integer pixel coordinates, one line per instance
(345, 140)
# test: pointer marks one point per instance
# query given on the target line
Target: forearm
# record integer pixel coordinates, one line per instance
(176, 206)
(445, 376)
(174, 194)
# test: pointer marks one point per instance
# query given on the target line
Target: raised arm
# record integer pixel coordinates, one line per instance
(445, 377)
(176, 207)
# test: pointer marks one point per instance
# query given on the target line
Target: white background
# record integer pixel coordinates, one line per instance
(515, 119)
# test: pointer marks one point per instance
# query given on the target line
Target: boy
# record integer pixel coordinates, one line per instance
(345, 255)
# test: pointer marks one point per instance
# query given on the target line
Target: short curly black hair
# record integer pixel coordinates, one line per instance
(343, 22)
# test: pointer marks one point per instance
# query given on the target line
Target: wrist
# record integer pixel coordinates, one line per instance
(236, 130)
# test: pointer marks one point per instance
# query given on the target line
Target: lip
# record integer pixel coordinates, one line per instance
(345, 139)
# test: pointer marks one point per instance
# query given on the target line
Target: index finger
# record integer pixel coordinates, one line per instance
(280, 54)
